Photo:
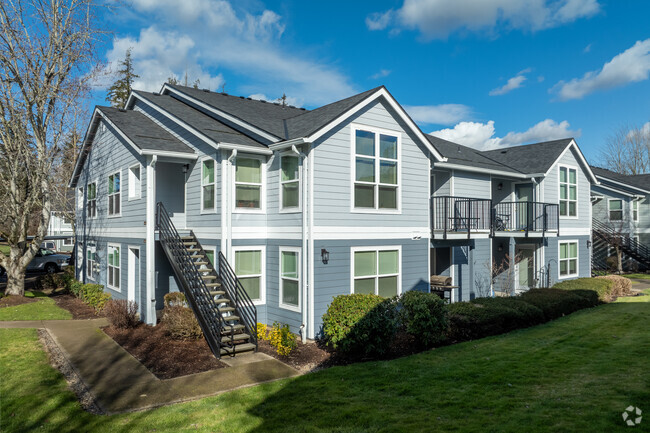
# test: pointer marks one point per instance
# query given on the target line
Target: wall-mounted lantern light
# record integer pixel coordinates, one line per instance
(324, 255)
(500, 247)
(500, 186)
(588, 243)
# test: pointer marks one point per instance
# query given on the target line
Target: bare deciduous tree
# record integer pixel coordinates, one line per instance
(627, 151)
(46, 62)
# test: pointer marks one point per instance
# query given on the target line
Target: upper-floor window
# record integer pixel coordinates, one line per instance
(91, 200)
(135, 184)
(80, 197)
(289, 182)
(615, 208)
(568, 192)
(208, 188)
(568, 259)
(635, 210)
(376, 165)
(113, 277)
(248, 183)
(376, 271)
(114, 194)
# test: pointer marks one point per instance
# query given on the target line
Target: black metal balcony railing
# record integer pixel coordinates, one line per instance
(525, 216)
(460, 215)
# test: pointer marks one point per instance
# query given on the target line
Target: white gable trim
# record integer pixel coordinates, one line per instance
(581, 159)
(618, 191)
(625, 185)
(73, 182)
(229, 117)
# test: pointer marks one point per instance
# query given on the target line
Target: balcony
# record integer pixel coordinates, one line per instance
(460, 217)
(525, 218)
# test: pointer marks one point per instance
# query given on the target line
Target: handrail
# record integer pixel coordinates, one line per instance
(631, 246)
(450, 214)
(244, 305)
(526, 216)
(202, 303)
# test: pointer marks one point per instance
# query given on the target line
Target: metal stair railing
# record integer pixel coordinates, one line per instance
(629, 245)
(198, 296)
(244, 306)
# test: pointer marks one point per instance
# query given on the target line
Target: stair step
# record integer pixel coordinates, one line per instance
(209, 277)
(187, 238)
(238, 327)
(216, 292)
(213, 285)
(239, 348)
(226, 309)
(237, 337)
(201, 263)
(193, 250)
(230, 318)
(222, 301)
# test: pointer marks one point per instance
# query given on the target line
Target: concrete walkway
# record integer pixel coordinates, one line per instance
(120, 383)
(639, 284)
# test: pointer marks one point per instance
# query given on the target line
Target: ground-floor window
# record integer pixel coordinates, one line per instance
(91, 262)
(249, 268)
(290, 278)
(376, 270)
(568, 259)
(113, 277)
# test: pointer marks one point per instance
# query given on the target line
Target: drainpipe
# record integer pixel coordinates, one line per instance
(229, 193)
(151, 240)
(303, 327)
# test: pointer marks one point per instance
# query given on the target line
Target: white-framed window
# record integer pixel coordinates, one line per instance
(568, 259)
(375, 166)
(615, 209)
(290, 296)
(250, 266)
(80, 197)
(68, 241)
(376, 270)
(208, 185)
(91, 262)
(135, 182)
(113, 267)
(211, 254)
(91, 200)
(635, 210)
(249, 180)
(290, 178)
(568, 192)
(115, 194)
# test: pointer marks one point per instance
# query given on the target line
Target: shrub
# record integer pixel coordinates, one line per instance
(75, 287)
(94, 295)
(602, 287)
(51, 282)
(282, 339)
(469, 320)
(620, 286)
(361, 325)
(530, 314)
(181, 324)
(424, 316)
(262, 332)
(175, 299)
(556, 302)
(121, 313)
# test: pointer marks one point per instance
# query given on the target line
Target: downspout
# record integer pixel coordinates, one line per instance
(151, 240)
(303, 327)
(229, 189)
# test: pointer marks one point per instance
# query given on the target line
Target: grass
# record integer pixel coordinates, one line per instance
(645, 298)
(638, 276)
(43, 309)
(577, 374)
(4, 249)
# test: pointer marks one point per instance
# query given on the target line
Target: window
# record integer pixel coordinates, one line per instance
(249, 268)
(376, 170)
(135, 185)
(568, 259)
(114, 196)
(208, 189)
(210, 254)
(290, 278)
(67, 241)
(80, 197)
(615, 208)
(568, 192)
(91, 200)
(289, 182)
(113, 277)
(376, 270)
(635, 210)
(248, 183)
(91, 262)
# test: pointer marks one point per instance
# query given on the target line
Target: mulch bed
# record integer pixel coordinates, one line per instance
(75, 306)
(12, 301)
(304, 358)
(164, 357)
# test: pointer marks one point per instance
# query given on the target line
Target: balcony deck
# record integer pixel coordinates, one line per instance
(525, 219)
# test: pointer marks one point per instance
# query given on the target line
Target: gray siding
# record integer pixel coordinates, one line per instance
(472, 185)
(552, 255)
(601, 213)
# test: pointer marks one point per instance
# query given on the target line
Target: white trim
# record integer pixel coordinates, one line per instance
(633, 219)
(214, 184)
(262, 185)
(310, 234)
(223, 114)
(622, 210)
(584, 231)
(246, 149)
(262, 276)
(377, 249)
(94, 217)
(290, 307)
(171, 154)
(283, 145)
(92, 248)
(577, 258)
(137, 196)
(568, 194)
(617, 191)
(354, 127)
(213, 249)
(368, 232)
(150, 246)
(109, 195)
(500, 173)
(113, 287)
(625, 185)
(136, 281)
(294, 209)
(581, 158)
(126, 232)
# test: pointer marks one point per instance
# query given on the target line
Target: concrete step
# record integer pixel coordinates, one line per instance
(187, 238)
(239, 348)
(226, 309)
(237, 337)
(230, 318)
(209, 277)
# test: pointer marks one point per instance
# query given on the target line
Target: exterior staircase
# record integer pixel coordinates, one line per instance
(225, 312)
(604, 236)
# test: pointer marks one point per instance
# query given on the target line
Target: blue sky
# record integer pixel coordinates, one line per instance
(485, 73)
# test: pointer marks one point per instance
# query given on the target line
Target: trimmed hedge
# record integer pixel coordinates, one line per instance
(557, 302)
(424, 316)
(530, 314)
(602, 287)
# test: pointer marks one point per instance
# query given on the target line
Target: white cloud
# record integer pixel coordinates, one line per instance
(444, 114)
(481, 135)
(512, 84)
(381, 74)
(439, 18)
(630, 66)
(262, 97)
(211, 38)
(587, 49)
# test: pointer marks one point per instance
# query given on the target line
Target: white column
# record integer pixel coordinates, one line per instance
(150, 307)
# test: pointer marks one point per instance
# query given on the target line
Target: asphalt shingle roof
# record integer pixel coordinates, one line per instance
(638, 181)
(463, 155)
(144, 132)
(530, 158)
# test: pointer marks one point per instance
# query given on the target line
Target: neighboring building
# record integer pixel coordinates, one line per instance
(60, 232)
(351, 197)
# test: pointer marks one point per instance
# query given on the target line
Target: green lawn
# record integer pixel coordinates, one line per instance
(645, 298)
(43, 309)
(638, 276)
(574, 374)
(4, 249)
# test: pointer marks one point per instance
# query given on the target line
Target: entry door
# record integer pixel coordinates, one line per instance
(134, 273)
(525, 267)
(524, 194)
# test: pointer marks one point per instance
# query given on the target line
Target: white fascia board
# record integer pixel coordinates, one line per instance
(246, 149)
(625, 185)
(175, 119)
(287, 144)
(171, 154)
(398, 109)
(85, 144)
(581, 159)
(168, 89)
(618, 191)
(449, 166)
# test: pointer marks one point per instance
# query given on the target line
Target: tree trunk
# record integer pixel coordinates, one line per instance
(15, 279)
(619, 260)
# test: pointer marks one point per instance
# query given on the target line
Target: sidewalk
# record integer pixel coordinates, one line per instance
(120, 383)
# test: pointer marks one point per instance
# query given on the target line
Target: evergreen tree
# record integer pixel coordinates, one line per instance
(119, 92)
